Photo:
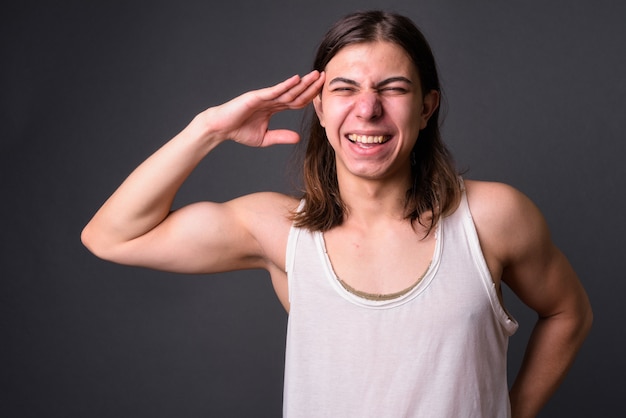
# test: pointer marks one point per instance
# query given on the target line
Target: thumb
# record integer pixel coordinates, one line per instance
(280, 136)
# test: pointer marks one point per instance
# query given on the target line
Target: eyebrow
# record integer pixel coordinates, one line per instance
(378, 85)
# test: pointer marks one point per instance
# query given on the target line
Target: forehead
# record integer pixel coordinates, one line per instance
(372, 58)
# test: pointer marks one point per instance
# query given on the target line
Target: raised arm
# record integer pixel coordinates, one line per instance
(135, 225)
(517, 245)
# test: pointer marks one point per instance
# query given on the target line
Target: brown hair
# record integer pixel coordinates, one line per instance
(436, 189)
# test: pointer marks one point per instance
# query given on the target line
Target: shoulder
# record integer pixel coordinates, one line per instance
(248, 211)
(493, 199)
(263, 211)
(509, 224)
(268, 217)
(265, 203)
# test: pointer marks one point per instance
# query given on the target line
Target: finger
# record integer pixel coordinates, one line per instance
(276, 91)
(311, 90)
(280, 136)
(300, 94)
(290, 89)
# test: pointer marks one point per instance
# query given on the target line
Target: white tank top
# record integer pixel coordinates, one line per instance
(437, 351)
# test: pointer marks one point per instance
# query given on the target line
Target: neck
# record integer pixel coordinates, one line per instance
(371, 201)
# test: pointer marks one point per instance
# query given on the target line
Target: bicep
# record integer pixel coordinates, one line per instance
(535, 269)
(546, 283)
(518, 246)
(202, 237)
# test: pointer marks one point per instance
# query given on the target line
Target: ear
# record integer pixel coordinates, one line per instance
(430, 103)
(317, 104)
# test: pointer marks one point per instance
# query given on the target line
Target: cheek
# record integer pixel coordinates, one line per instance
(336, 112)
(410, 117)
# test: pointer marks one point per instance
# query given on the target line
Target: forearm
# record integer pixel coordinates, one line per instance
(551, 351)
(134, 226)
(144, 199)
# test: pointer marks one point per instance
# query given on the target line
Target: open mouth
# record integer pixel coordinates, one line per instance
(368, 139)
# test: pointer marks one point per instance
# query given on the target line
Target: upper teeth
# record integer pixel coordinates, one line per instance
(367, 139)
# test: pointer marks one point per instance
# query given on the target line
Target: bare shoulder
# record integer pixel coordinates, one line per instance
(267, 215)
(264, 202)
(509, 224)
(273, 208)
(494, 196)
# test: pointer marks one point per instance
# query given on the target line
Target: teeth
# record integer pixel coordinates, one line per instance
(367, 139)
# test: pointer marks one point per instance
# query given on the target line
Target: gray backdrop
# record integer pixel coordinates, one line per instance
(535, 98)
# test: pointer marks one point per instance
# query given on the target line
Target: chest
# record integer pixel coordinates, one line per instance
(380, 261)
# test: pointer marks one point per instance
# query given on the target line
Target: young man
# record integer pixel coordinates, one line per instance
(392, 285)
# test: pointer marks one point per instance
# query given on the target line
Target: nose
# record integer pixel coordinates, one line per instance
(368, 106)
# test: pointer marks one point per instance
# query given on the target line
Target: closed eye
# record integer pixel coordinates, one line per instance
(342, 85)
(394, 90)
(395, 85)
(343, 90)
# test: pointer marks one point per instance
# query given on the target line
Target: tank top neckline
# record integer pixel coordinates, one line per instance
(388, 300)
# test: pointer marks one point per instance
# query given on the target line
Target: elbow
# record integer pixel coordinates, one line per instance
(581, 323)
(106, 245)
(88, 239)
(585, 315)
(94, 242)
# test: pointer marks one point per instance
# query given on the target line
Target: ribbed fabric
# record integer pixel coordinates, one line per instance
(438, 351)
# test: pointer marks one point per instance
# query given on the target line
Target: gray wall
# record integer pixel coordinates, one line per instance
(535, 98)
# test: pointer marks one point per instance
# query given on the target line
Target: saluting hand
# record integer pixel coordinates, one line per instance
(245, 119)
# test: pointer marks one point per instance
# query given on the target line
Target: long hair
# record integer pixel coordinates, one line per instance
(435, 189)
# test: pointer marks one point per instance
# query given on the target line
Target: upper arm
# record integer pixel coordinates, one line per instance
(516, 239)
(210, 237)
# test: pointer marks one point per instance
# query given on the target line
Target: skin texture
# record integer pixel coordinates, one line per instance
(368, 90)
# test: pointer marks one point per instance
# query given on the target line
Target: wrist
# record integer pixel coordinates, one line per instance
(203, 129)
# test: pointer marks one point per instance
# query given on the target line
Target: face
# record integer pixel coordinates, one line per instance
(372, 108)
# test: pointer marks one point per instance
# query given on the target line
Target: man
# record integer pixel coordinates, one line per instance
(392, 284)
